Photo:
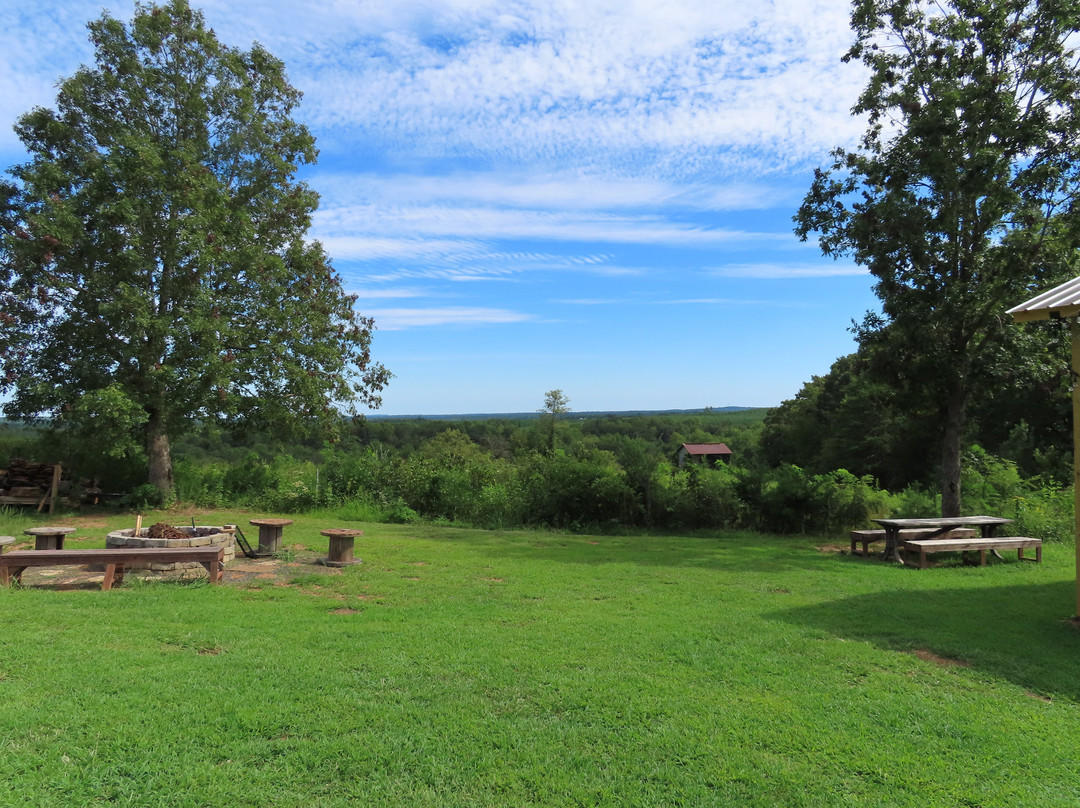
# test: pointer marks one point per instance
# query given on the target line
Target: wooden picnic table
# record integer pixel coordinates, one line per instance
(939, 525)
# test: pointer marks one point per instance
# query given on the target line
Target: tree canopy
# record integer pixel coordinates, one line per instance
(960, 196)
(154, 260)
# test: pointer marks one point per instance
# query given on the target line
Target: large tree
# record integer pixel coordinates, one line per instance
(154, 265)
(960, 195)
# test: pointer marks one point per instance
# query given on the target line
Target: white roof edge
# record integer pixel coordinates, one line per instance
(1063, 296)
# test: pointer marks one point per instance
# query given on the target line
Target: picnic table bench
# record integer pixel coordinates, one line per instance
(868, 537)
(115, 559)
(1018, 543)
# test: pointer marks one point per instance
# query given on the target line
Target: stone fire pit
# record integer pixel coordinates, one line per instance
(198, 536)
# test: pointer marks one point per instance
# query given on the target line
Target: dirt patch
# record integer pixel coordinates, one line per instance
(944, 662)
(344, 610)
(832, 548)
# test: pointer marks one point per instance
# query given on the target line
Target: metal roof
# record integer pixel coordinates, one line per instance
(1057, 303)
(707, 448)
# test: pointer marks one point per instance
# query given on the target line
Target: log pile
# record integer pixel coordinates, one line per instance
(163, 530)
(22, 479)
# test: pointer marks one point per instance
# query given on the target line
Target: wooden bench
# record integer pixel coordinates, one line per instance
(1018, 543)
(868, 537)
(12, 564)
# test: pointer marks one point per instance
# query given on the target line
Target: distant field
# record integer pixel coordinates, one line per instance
(473, 668)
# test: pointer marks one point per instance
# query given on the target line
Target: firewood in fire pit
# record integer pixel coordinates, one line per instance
(163, 530)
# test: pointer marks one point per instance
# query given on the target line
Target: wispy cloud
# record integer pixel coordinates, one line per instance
(398, 319)
(782, 270)
(703, 82)
(540, 190)
(405, 223)
(497, 154)
(389, 294)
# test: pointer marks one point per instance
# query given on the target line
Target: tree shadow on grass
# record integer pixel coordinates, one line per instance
(1021, 633)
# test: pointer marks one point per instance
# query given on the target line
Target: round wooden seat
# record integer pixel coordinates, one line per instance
(341, 547)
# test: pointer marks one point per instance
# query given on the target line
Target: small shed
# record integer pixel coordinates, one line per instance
(1063, 303)
(707, 453)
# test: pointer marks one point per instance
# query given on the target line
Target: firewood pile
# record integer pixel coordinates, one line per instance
(22, 479)
(163, 530)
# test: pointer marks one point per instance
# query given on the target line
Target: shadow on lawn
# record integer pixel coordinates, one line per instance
(1020, 633)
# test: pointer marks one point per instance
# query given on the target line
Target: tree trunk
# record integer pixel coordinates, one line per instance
(955, 416)
(158, 455)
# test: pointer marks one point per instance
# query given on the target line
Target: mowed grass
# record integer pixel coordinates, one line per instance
(471, 668)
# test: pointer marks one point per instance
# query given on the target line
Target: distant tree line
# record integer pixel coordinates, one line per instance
(818, 464)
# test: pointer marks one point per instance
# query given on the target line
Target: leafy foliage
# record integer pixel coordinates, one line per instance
(959, 197)
(155, 263)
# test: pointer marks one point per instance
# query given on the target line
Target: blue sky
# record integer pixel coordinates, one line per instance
(539, 194)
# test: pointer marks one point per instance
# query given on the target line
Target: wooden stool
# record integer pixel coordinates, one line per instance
(5, 541)
(48, 538)
(341, 547)
(270, 531)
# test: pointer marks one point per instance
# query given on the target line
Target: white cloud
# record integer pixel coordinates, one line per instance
(621, 86)
(402, 318)
(366, 294)
(455, 227)
(781, 270)
(540, 189)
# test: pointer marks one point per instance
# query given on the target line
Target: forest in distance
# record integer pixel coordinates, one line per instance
(819, 463)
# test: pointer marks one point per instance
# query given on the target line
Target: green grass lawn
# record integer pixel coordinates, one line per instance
(472, 668)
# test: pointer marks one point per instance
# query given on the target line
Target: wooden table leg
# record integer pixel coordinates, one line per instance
(987, 532)
(892, 545)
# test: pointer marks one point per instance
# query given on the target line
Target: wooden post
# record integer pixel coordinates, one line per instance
(1074, 326)
(55, 487)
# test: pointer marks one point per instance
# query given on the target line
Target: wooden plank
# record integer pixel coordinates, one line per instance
(12, 564)
(1004, 543)
(1018, 543)
(39, 558)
